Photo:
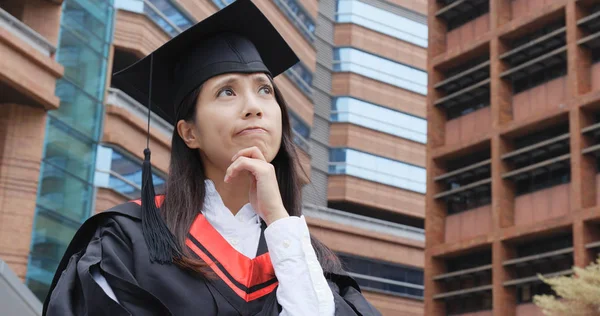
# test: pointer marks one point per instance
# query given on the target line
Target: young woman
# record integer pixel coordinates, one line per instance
(228, 236)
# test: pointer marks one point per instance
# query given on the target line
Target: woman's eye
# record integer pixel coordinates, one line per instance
(226, 93)
(265, 90)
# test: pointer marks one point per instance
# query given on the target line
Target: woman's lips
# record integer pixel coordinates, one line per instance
(252, 130)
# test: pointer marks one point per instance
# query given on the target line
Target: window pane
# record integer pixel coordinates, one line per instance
(301, 77)
(385, 276)
(347, 109)
(78, 109)
(298, 16)
(353, 11)
(117, 171)
(66, 151)
(64, 194)
(378, 68)
(81, 63)
(51, 236)
(377, 169)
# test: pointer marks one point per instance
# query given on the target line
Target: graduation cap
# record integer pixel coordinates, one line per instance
(236, 39)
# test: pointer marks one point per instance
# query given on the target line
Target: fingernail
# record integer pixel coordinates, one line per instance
(225, 179)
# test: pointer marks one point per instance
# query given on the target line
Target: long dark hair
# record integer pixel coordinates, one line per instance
(185, 188)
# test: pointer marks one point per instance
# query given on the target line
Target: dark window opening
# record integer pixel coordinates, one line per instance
(595, 55)
(526, 292)
(384, 276)
(465, 12)
(468, 107)
(539, 77)
(477, 197)
(121, 60)
(548, 175)
(546, 180)
(522, 40)
(542, 245)
(468, 261)
(378, 214)
(591, 26)
(556, 263)
(470, 303)
(466, 66)
(540, 136)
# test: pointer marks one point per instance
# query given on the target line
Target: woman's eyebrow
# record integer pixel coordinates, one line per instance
(226, 81)
(261, 80)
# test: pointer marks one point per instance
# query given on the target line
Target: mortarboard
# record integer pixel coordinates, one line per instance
(236, 39)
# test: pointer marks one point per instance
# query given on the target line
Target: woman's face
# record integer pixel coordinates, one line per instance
(233, 112)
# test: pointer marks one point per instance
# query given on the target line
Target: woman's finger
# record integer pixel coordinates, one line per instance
(250, 152)
(251, 165)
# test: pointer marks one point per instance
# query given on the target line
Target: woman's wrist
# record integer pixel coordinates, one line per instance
(276, 215)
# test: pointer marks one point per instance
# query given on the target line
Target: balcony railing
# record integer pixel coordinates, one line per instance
(25, 33)
(120, 99)
(364, 222)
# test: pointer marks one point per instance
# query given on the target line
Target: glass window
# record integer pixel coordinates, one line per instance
(379, 68)
(64, 193)
(298, 16)
(378, 169)
(81, 63)
(78, 109)
(369, 115)
(174, 15)
(222, 3)
(52, 233)
(301, 77)
(85, 25)
(356, 12)
(67, 150)
(384, 276)
(300, 130)
(162, 12)
(117, 171)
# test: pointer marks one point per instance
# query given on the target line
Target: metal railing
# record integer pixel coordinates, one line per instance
(363, 222)
(120, 99)
(27, 34)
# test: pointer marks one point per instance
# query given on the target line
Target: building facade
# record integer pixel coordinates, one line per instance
(71, 142)
(513, 104)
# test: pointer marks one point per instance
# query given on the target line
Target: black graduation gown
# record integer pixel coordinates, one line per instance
(112, 242)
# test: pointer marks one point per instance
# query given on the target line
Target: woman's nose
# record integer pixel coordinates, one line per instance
(252, 108)
(251, 113)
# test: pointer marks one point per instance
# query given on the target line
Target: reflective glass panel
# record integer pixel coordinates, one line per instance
(369, 115)
(78, 109)
(301, 77)
(382, 21)
(379, 68)
(378, 169)
(52, 233)
(118, 171)
(385, 276)
(64, 193)
(298, 16)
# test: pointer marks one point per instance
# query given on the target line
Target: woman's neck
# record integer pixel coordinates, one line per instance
(235, 193)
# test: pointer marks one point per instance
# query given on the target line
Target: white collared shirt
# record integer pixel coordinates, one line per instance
(303, 289)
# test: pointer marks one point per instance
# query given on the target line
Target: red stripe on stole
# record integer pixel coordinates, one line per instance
(249, 272)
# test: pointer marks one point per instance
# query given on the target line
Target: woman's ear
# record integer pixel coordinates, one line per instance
(187, 132)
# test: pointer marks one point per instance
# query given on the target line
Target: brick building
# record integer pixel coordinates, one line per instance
(71, 142)
(513, 113)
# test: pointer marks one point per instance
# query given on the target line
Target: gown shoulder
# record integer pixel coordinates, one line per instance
(106, 242)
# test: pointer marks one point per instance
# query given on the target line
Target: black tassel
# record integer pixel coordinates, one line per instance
(160, 241)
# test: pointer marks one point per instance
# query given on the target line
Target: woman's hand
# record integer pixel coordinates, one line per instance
(264, 193)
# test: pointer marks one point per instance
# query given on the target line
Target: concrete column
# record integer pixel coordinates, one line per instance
(42, 16)
(21, 144)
